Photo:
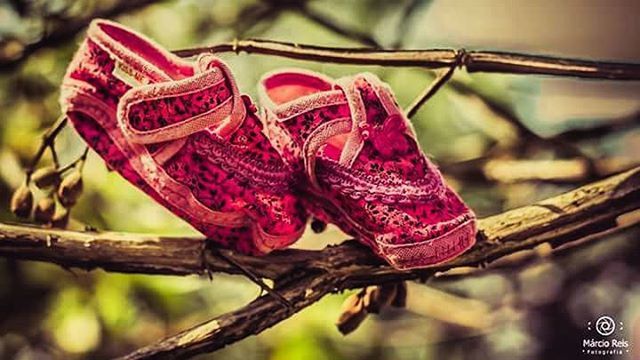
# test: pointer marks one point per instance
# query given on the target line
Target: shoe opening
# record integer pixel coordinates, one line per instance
(146, 49)
(287, 86)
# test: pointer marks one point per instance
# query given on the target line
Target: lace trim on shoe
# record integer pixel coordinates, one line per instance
(360, 185)
(258, 173)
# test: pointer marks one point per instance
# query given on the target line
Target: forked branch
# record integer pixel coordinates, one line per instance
(559, 220)
(303, 276)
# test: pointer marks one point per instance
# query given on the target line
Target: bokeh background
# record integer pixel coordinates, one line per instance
(538, 309)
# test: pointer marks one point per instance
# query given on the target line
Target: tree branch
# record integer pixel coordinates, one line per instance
(559, 220)
(473, 61)
(134, 253)
(303, 276)
(437, 83)
(252, 319)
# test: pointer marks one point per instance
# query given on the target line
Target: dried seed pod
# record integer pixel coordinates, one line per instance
(370, 296)
(45, 177)
(70, 189)
(61, 219)
(378, 297)
(22, 201)
(45, 208)
(400, 300)
(353, 314)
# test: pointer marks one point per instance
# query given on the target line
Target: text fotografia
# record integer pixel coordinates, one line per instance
(610, 341)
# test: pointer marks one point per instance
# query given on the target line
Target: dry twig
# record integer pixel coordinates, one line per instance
(472, 61)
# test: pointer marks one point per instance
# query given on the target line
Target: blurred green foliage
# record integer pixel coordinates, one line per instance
(51, 313)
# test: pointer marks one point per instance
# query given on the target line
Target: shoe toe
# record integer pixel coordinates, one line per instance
(431, 233)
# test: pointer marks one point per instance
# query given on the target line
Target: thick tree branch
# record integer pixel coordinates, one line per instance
(565, 218)
(252, 319)
(302, 277)
(134, 253)
(588, 206)
(472, 61)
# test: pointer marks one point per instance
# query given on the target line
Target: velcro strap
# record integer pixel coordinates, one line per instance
(172, 110)
(316, 140)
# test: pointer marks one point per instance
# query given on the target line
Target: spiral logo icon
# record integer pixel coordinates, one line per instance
(605, 325)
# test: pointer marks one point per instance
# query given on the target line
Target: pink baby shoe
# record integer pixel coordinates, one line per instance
(363, 168)
(181, 132)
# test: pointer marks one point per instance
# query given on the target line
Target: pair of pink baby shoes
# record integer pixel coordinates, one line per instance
(340, 150)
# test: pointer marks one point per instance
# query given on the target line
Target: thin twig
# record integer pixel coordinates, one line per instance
(430, 90)
(528, 135)
(253, 277)
(602, 128)
(47, 142)
(405, 21)
(80, 160)
(253, 16)
(472, 61)
(54, 154)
